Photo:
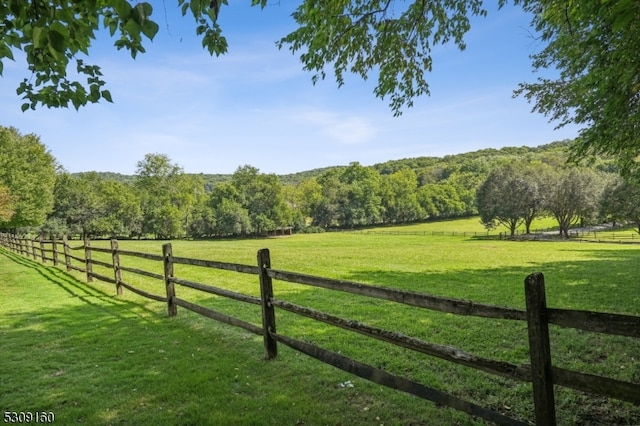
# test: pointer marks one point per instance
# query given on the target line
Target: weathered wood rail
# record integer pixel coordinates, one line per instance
(540, 372)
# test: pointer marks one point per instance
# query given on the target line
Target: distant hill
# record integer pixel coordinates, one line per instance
(211, 180)
(553, 153)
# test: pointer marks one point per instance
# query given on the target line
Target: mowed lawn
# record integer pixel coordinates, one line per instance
(88, 356)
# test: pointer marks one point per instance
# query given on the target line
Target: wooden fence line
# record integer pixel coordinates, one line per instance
(603, 236)
(541, 373)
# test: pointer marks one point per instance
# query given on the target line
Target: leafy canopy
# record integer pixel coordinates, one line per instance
(53, 33)
(594, 45)
(391, 38)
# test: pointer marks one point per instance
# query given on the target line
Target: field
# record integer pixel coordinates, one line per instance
(77, 350)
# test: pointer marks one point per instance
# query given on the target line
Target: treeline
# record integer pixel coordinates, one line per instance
(514, 194)
(162, 201)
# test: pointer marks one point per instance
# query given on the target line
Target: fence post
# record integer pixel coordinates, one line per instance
(540, 350)
(167, 254)
(268, 311)
(43, 253)
(33, 249)
(54, 248)
(116, 266)
(67, 256)
(87, 261)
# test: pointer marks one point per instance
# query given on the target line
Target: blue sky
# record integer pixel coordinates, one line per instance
(256, 106)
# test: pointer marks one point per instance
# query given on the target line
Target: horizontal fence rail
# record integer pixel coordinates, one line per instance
(540, 372)
(443, 304)
(599, 236)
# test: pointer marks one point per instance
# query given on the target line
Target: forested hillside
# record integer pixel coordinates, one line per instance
(505, 187)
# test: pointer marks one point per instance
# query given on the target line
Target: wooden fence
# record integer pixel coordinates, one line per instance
(541, 373)
(602, 236)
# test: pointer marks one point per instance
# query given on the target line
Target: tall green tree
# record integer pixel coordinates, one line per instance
(262, 195)
(621, 202)
(28, 170)
(362, 204)
(228, 216)
(399, 196)
(76, 204)
(326, 212)
(309, 198)
(121, 211)
(166, 194)
(574, 195)
(6, 204)
(441, 200)
(594, 45)
(508, 197)
(89, 205)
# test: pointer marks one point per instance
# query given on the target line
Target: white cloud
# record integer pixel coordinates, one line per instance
(339, 127)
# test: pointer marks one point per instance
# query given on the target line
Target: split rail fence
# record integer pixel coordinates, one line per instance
(541, 373)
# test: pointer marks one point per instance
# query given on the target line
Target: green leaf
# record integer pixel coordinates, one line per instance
(56, 40)
(24, 107)
(106, 95)
(77, 103)
(5, 51)
(144, 9)
(39, 37)
(60, 29)
(57, 55)
(122, 7)
(150, 29)
(133, 28)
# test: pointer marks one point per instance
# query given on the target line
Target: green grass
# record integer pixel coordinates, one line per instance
(88, 350)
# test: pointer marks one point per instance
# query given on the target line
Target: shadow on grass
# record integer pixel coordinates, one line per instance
(606, 281)
(89, 357)
(100, 359)
(88, 294)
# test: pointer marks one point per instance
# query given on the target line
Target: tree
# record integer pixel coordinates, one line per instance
(361, 204)
(359, 36)
(508, 197)
(232, 219)
(441, 200)
(593, 45)
(7, 202)
(574, 195)
(89, 205)
(399, 196)
(28, 170)
(52, 33)
(203, 220)
(121, 210)
(262, 195)
(364, 36)
(167, 195)
(326, 211)
(309, 197)
(621, 201)
(76, 203)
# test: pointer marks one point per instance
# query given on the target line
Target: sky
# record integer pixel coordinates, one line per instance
(256, 106)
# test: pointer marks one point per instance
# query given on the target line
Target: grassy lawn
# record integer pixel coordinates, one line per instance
(88, 356)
